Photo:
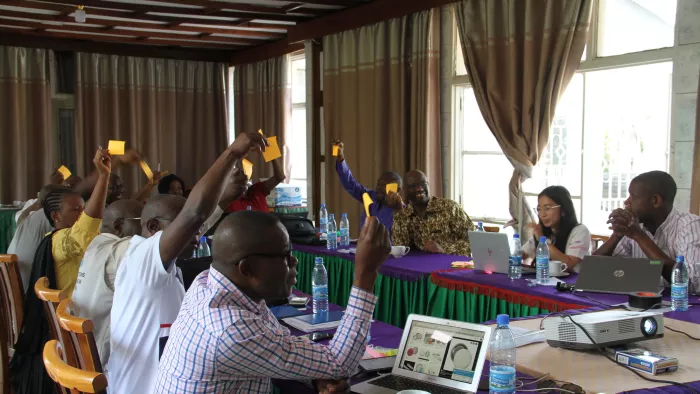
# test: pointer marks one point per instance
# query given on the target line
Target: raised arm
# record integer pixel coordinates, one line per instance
(277, 177)
(349, 183)
(205, 196)
(143, 194)
(95, 206)
(88, 184)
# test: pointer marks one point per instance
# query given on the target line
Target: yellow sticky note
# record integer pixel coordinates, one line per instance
(392, 188)
(116, 147)
(335, 150)
(272, 152)
(146, 169)
(260, 131)
(65, 172)
(368, 201)
(247, 168)
(164, 173)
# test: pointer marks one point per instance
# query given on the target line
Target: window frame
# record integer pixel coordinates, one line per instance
(300, 105)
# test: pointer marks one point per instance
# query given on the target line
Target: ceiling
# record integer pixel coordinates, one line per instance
(211, 24)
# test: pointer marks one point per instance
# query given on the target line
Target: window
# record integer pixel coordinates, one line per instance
(611, 124)
(297, 142)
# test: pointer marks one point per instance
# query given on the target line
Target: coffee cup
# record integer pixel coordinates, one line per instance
(399, 251)
(557, 267)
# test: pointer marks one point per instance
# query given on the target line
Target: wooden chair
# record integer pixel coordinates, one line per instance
(73, 379)
(597, 240)
(81, 335)
(492, 229)
(11, 314)
(52, 298)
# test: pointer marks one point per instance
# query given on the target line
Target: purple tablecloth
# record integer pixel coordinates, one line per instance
(412, 267)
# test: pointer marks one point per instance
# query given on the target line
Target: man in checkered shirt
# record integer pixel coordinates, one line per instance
(225, 338)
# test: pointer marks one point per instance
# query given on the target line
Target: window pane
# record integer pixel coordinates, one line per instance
(626, 26)
(299, 80)
(626, 133)
(485, 185)
(297, 144)
(477, 135)
(460, 67)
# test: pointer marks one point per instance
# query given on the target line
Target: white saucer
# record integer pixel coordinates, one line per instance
(559, 275)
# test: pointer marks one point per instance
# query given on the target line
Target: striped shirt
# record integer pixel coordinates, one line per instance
(678, 235)
(223, 342)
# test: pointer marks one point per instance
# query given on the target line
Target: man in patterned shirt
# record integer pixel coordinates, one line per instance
(431, 224)
(225, 338)
(650, 227)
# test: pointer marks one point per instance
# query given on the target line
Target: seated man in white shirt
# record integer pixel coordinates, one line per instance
(649, 227)
(148, 291)
(94, 288)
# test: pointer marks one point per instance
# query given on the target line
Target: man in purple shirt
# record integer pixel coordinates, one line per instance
(384, 206)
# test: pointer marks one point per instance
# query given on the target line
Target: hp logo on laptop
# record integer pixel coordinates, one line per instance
(619, 273)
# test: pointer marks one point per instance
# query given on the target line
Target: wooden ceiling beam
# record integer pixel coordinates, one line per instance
(264, 52)
(339, 3)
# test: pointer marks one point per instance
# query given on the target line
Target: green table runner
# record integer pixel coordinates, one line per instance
(7, 228)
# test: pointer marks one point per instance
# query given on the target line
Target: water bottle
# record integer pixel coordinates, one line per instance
(515, 270)
(679, 286)
(344, 231)
(332, 242)
(480, 227)
(323, 222)
(319, 284)
(542, 261)
(502, 357)
(249, 208)
(203, 248)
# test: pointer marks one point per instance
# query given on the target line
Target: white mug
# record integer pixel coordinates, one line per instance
(557, 267)
(399, 251)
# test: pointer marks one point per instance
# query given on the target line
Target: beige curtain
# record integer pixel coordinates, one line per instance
(27, 157)
(263, 101)
(695, 187)
(381, 98)
(172, 111)
(520, 56)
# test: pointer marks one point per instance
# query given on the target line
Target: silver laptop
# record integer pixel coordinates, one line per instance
(435, 355)
(491, 252)
(604, 274)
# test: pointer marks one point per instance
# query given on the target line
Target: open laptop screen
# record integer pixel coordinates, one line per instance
(444, 351)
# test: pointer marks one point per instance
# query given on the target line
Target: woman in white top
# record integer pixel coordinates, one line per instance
(568, 240)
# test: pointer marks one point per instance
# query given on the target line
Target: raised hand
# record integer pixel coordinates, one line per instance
(103, 162)
(131, 156)
(394, 201)
(341, 149)
(248, 142)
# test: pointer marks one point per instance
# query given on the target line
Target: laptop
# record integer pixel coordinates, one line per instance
(491, 252)
(604, 274)
(436, 355)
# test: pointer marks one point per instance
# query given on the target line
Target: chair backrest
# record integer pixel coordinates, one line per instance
(491, 229)
(74, 379)
(597, 240)
(81, 335)
(52, 298)
(12, 293)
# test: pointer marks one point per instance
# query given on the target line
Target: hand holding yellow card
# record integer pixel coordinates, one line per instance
(116, 148)
(368, 201)
(392, 188)
(65, 172)
(146, 169)
(335, 150)
(272, 152)
(247, 168)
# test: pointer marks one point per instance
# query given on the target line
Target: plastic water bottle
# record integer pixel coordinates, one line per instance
(515, 270)
(502, 357)
(332, 242)
(344, 231)
(542, 262)
(319, 284)
(249, 208)
(203, 248)
(480, 227)
(679, 286)
(323, 222)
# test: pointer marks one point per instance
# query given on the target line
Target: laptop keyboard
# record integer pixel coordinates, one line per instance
(399, 383)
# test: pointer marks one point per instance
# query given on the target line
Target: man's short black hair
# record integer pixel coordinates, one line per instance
(659, 182)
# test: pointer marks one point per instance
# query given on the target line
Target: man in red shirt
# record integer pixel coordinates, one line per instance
(255, 195)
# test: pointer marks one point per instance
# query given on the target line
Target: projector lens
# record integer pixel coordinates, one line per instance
(649, 326)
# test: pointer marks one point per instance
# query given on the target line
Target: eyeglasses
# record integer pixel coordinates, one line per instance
(546, 209)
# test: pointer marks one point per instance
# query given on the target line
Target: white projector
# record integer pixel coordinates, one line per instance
(607, 328)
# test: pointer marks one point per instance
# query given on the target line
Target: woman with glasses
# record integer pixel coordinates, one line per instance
(568, 240)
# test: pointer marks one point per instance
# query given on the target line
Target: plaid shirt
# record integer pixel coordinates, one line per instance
(223, 342)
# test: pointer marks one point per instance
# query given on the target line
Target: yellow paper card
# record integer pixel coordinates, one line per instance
(368, 201)
(272, 152)
(146, 169)
(65, 172)
(247, 168)
(260, 131)
(335, 150)
(164, 173)
(392, 188)
(116, 148)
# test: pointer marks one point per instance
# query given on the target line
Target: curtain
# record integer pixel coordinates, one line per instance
(695, 187)
(172, 111)
(520, 55)
(263, 100)
(381, 98)
(28, 156)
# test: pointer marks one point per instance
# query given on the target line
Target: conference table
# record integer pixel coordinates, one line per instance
(7, 227)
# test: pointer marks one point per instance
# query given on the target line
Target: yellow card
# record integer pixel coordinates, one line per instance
(116, 148)
(335, 150)
(368, 201)
(392, 188)
(260, 131)
(164, 173)
(146, 169)
(247, 168)
(272, 152)
(65, 172)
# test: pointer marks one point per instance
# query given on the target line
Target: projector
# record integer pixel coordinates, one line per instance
(607, 328)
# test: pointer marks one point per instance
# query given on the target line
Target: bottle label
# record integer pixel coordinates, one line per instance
(320, 292)
(516, 261)
(502, 380)
(679, 292)
(542, 262)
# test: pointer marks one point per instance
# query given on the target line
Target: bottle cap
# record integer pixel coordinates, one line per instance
(323, 205)
(480, 223)
(319, 260)
(345, 215)
(516, 236)
(203, 239)
(543, 239)
(502, 320)
(680, 259)
(331, 216)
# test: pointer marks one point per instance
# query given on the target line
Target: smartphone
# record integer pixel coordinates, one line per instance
(298, 301)
(320, 336)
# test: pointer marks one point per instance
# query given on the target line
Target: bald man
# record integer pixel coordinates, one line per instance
(94, 289)
(431, 224)
(148, 289)
(226, 337)
(384, 204)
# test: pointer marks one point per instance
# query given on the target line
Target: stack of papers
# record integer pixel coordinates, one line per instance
(315, 322)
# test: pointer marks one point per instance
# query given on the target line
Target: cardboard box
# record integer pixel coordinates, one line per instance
(645, 361)
(285, 196)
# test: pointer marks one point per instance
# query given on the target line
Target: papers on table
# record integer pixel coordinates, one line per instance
(552, 282)
(524, 336)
